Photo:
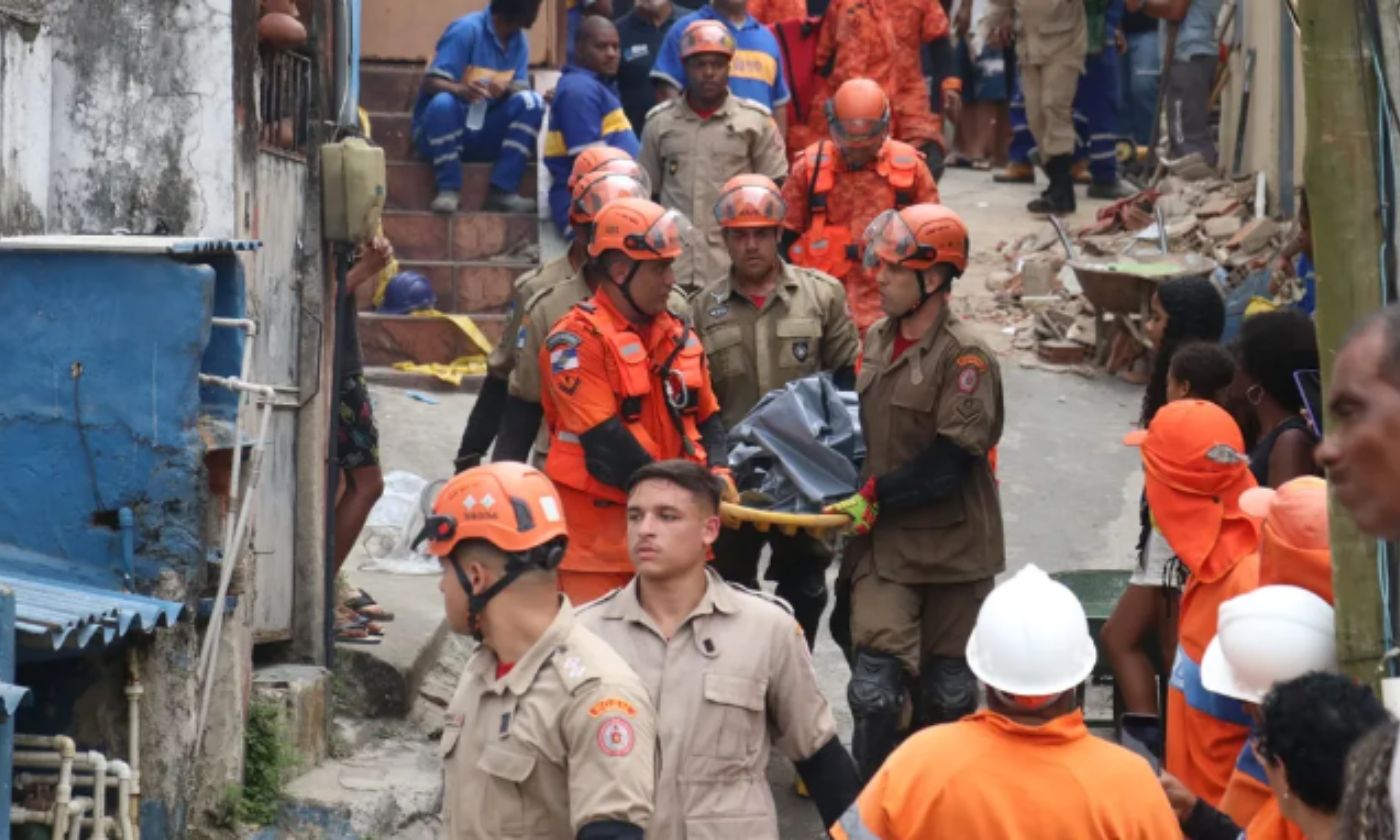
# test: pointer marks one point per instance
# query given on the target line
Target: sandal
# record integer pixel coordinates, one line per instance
(348, 618)
(355, 634)
(363, 603)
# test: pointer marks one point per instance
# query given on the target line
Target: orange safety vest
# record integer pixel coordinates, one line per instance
(826, 246)
(657, 391)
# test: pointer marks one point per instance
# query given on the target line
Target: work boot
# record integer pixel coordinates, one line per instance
(1058, 200)
(501, 201)
(1080, 172)
(1015, 173)
(446, 201)
(1110, 190)
(935, 158)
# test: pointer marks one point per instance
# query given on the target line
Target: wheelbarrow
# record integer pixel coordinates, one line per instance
(817, 524)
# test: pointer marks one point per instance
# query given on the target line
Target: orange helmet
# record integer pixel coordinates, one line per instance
(917, 237)
(859, 114)
(594, 190)
(707, 36)
(510, 505)
(641, 229)
(593, 158)
(750, 201)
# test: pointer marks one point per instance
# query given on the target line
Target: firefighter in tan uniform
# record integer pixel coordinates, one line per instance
(545, 304)
(696, 142)
(928, 519)
(549, 734)
(727, 667)
(487, 423)
(764, 325)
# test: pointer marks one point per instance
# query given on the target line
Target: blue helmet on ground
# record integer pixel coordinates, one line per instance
(408, 291)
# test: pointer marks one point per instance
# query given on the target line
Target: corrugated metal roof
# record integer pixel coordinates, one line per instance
(117, 244)
(57, 613)
(10, 698)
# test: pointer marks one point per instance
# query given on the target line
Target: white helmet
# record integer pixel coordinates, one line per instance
(1031, 638)
(1268, 636)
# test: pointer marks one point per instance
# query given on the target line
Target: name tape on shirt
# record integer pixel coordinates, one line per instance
(614, 705)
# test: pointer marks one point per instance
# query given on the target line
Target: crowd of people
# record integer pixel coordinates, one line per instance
(734, 226)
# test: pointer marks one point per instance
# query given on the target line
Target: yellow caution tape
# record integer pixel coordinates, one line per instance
(1258, 306)
(817, 524)
(452, 373)
(463, 323)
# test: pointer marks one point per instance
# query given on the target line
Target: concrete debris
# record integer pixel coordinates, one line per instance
(1192, 167)
(1254, 236)
(1223, 227)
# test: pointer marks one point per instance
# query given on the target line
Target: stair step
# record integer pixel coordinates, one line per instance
(420, 235)
(412, 187)
(390, 788)
(389, 87)
(394, 133)
(385, 339)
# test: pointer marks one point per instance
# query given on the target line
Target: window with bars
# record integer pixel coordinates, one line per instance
(284, 102)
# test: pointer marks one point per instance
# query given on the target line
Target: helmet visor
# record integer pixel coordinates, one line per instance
(664, 240)
(889, 239)
(595, 192)
(860, 132)
(750, 206)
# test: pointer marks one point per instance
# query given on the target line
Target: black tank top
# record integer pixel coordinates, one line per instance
(1264, 449)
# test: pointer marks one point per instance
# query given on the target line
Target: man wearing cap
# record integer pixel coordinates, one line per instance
(839, 186)
(494, 402)
(1026, 766)
(549, 733)
(1363, 424)
(927, 520)
(1195, 466)
(1265, 637)
(1294, 553)
(764, 325)
(696, 142)
(625, 383)
(726, 667)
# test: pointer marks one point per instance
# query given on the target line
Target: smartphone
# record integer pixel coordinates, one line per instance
(1142, 734)
(1309, 384)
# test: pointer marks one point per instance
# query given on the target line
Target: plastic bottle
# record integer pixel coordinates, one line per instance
(476, 115)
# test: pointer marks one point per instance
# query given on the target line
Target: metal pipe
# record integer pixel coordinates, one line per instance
(134, 692)
(248, 325)
(216, 622)
(59, 749)
(126, 522)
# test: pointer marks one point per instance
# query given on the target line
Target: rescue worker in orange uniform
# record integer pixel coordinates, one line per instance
(928, 519)
(1026, 767)
(548, 727)
(1294, 551)
(765, 324)
(625, 383)
(838, 186)
(487, 419)
(1195, 467)
(769, 12)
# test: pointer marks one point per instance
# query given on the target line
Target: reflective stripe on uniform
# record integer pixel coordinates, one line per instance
(854, 827)
(567, 437)
(1186, 678)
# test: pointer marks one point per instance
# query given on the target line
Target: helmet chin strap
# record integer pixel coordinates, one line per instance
(626, 288)
(924, 295)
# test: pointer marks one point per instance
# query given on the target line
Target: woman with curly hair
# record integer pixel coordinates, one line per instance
(1184, 310)
(1272, 348)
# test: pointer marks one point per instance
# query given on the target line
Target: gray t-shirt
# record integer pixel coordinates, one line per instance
(1196, 36)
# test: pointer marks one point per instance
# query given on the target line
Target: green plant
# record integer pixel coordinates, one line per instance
(225, 813)
(268, 759)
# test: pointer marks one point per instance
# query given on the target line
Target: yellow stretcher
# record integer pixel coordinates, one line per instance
(817, 524)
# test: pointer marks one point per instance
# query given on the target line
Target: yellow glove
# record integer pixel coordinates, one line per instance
(861, 507)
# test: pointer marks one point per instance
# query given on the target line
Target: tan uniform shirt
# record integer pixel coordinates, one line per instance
(545, 304)
(502, 360)
(1047, 31)
(567, 738)
(689, 159)
(803, 327)
(735, 675)
(948, 384)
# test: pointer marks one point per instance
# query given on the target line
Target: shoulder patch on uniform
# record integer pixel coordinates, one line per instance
(976, 360)
(662, 106)
(612, 705)
(764, 596)
(969, 377)
(536, 296)
(616, 737)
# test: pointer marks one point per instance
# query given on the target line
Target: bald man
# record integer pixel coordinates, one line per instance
(586, 112)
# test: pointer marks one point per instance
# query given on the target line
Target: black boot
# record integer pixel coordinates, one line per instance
(876, 698)
(1058, 200)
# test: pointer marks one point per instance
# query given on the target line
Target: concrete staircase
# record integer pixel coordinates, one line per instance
(470, 258)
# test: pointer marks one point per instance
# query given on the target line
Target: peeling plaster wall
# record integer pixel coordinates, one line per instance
(142, 116)
(25, 79)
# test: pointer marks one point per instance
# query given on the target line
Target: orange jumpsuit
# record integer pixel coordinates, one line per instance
(598, 367)
(771, 11)
(987, 776)
(1271, 824)
(916, 22)
(833, 209)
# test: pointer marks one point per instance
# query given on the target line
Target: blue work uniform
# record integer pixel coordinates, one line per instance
(1095, 109)
(755, 73)
(471, 51)
(586, 112)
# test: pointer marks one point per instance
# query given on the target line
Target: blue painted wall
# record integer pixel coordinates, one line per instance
(121, 432)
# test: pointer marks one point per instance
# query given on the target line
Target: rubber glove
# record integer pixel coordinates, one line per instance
(862, 507)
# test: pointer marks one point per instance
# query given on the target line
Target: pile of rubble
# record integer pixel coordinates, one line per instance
(1043, 300)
